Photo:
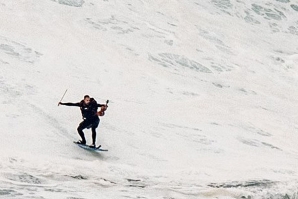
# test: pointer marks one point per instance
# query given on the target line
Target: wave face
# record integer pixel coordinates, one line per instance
(203, 98)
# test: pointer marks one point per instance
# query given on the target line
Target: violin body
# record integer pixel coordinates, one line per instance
(103, 109)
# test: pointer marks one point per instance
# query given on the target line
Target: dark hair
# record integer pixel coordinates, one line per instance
(86, 96)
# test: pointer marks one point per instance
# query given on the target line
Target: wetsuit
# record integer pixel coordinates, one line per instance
(90, 118)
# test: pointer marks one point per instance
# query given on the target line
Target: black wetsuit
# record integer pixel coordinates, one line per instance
(90, 118)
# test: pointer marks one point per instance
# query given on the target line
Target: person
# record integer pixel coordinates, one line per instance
(91, 120)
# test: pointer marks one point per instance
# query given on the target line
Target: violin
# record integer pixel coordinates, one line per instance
(103, 109)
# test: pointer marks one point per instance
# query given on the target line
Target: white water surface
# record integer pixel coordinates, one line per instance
(203, 98)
